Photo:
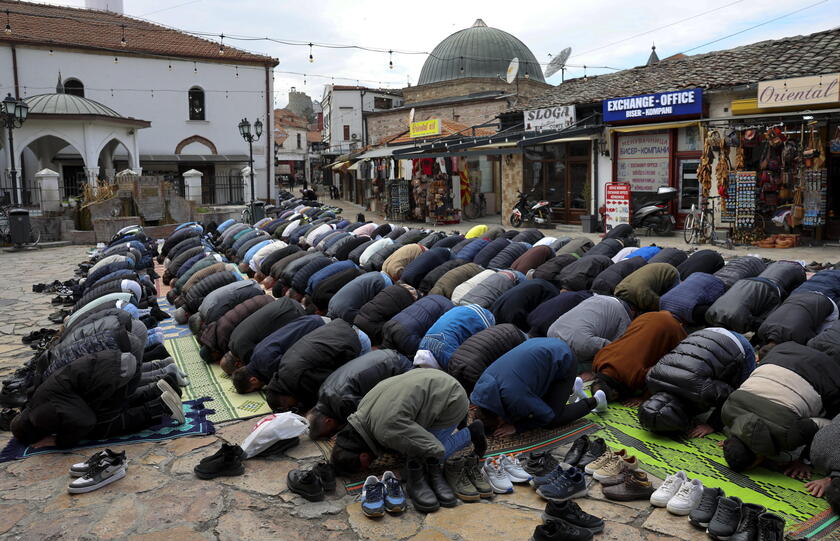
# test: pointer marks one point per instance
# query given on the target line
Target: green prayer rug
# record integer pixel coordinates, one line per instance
(703, 458)
(210, 380)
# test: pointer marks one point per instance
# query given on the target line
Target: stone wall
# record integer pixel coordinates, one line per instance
(512, 180)
(465, 87)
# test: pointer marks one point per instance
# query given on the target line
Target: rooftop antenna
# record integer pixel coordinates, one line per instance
(558, 63)
(512, 70)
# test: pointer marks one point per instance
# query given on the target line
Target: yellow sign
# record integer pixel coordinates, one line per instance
(424, 128)
(814, 90)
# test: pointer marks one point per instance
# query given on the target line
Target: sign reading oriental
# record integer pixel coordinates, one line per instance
(816, 90)
(654, 106)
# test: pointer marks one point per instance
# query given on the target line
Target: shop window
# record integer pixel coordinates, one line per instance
(688, 139)
(578, 148)
(578, 178)
(298, 141)
(195, 102)
(346, 132)
(74, 87)
(689, 187)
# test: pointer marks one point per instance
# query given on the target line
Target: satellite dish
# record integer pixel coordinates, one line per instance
(512, 71)
(558, 62)
(411, 116)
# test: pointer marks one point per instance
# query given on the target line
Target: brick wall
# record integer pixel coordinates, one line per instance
(388, 124)
(465, 87)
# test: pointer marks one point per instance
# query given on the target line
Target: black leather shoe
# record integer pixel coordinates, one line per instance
(326, 473)
(748, 526)
(418, 488)
(770, 527)
(306, 484)
(539, 463)
(434, 474)
(576, 452)
(597, 447)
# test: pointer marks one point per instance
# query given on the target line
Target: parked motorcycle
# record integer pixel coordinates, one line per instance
(654, 214)
(526, 211)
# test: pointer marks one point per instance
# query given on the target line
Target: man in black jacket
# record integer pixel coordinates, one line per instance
(341, 392)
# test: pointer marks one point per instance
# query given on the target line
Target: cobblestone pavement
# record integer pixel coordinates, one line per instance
(160, 499)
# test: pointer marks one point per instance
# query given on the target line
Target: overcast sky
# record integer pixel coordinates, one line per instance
(591, 28)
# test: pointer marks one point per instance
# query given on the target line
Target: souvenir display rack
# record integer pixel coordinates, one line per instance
(814, 200)
(399, 203)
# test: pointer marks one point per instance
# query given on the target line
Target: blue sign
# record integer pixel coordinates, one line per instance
(654, 106)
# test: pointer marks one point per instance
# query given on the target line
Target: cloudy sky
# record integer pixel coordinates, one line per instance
(602, 33)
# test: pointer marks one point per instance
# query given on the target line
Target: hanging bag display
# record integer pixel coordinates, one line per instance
(812, 151)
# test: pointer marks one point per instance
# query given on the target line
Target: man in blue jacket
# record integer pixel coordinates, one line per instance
(529, 387)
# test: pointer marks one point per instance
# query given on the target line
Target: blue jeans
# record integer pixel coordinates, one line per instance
(452, 440)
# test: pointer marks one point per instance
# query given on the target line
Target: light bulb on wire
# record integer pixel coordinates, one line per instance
(123, 41)
(390, 59)
(8, 23)
(311, 58)
(221, 44)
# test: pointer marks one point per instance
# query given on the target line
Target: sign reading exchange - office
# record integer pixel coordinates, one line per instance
(654, 106)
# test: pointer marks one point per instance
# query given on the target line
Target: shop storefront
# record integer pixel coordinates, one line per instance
(654, 143)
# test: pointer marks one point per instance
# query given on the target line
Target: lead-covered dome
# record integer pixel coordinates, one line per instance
(478, 51)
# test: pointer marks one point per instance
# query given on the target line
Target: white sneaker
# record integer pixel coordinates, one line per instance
(601, 399)
(577, 391)
(513, 469)
(687, 498)
(668, 489)
(496, 476)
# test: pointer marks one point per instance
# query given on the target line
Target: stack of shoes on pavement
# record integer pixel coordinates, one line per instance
(103, 468)
(634, 486)
(381, 496)
(312, 484)
(734, 520)
(226, 462)
(540, 462)
(426, 485)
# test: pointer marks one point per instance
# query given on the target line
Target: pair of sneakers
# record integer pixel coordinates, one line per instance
(383, 495)
(578, 393)
(678, 494)
(102, 468)
(171, 401)
(611, 465)
(502, 471)
(562, 484)
(313, 483)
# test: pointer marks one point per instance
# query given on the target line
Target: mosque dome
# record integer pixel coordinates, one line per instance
(478, 51)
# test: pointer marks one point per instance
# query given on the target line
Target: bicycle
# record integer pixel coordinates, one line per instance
(477, 207)
(699, 224)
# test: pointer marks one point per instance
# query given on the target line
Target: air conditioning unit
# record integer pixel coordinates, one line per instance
(354, 136)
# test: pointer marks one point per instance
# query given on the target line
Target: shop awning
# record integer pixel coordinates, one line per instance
(381, 152)
(338, 165)
(657, 126)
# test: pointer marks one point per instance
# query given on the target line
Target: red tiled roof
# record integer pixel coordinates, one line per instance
(287, 118)
(447, 128)
(74, 28)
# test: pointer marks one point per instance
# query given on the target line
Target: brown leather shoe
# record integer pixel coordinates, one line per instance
(616, 479)
(636, 486)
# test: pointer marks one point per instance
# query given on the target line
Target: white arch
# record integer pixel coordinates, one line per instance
(114, 136)
(77, 145)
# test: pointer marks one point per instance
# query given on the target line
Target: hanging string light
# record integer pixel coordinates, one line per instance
(221, 44)
(51, 52)
(304, 79)
(311, 58)
(391, 60)
(116, 60)
(236, 74)
(8, 23)
(195, 67)
(123, 41)
(170, 65)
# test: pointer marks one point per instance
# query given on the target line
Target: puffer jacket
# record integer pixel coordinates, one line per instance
(114, 286)
(452, 279)
(491, 288)
(322, 274)
(515, 304)
(460, 245)
(195, 277)
(347, 301)
(505, 258)
(341, 250)
(532, 258)
(217, 334)
(609, 278)
(691, 298)
(449, 331)
(301, 278)
(448, 242)
(707, 261)
(470, 249)
(429, 240)
(371, 249)
(647, 252)
(197, 293)
(607, 247)
(672, 256)
(798, 319)
(404, 331)
(642, 288)
(202, 263)
(410, 237)
(826, 282)
(290, 270)
(745, 306)
(219, 301)
(424, 263)
(376, 261)
(478, 351)
(279, 267)
(328, 287)
(514, 385)
(788, 275)
(373, 315)
(529, 236)
(490, 251)
(341, 392)
(621, 231)
(394, 265)
(268, 354)
(106, 320)
(591, 325)
(428, 281)
(541, 317)
(702, 370)
(308, 362)
(175, 238)
(464, 287)
(578, 246)
(551, 269)
(268, 262)
(254, 328)
(739, 268)
(579, 275)
(828, 340)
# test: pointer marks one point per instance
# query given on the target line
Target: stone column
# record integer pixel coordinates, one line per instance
(47, 181)
(513, 177)
(192, 185)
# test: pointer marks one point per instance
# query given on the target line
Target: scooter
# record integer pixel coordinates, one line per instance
(654, 214)
(525, 211)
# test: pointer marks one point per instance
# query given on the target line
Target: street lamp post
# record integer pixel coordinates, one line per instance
(245, 131)
(13, 113)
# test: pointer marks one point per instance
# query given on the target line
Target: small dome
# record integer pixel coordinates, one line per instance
(478, 51)
(67, 104)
